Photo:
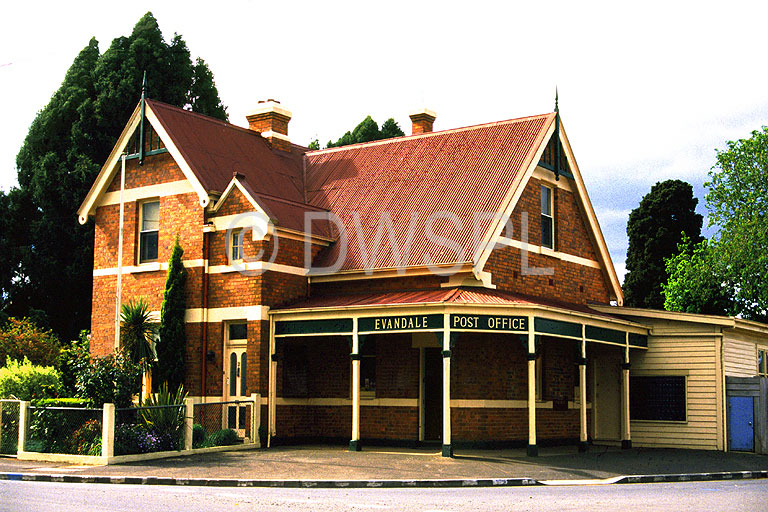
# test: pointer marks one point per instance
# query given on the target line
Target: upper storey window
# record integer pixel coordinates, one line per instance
(149, 227)
(547, 219)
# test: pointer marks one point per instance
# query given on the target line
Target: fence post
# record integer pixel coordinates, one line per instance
(256, 419)
(23, 425)
(108, 431)
(189, 420)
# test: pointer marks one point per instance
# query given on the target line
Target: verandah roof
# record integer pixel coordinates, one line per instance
(474, 309)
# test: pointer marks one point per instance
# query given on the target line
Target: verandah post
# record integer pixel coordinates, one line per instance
(354, 443)
(583, 444)
(533, 449)
(447, 446)
(626, 438)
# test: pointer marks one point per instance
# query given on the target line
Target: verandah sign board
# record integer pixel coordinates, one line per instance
(499, 323)
(400, 323)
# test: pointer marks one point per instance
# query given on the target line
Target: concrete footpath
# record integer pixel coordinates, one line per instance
(330, 466)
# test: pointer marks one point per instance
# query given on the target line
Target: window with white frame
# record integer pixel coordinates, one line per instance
(149, 228)
(236, 245)
(547, 219)
(762, 362)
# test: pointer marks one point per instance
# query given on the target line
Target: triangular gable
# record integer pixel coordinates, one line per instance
(582, 199)
(248, 194)
(112, 166)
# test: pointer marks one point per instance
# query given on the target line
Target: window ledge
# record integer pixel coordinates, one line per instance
(153, 266)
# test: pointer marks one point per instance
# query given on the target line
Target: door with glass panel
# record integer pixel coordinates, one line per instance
(236, 372)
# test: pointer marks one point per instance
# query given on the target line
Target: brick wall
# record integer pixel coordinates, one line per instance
(489, 367)
(569, 282)
(179, 214)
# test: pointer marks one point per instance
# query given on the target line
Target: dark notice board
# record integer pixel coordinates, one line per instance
(657, 398)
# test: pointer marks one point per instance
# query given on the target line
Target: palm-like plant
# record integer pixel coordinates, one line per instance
(136, 333)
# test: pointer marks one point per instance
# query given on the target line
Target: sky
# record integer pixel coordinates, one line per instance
(648, 90)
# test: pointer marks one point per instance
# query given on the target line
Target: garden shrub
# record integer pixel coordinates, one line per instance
(26, 381)
(72, 360)
(132, 439)
(53, 430)
(223, 437)
(165, 417)
(23, 339)
(198, 435)
(9, 437)
(111, 379)
(87, 439)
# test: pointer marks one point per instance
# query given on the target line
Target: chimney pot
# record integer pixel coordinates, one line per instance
(422, 120)
(271, 121)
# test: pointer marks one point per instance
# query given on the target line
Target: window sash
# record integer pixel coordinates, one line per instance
(547, 219)
(237, 245)
(149, 232)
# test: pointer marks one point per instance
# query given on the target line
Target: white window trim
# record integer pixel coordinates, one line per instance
(550, 216)
(141, 231)
(236, 233)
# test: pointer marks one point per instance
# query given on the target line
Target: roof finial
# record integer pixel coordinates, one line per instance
(557, 108)
(144, 86)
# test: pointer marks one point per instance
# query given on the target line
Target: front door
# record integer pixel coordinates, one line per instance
(433, 394)
(237, 389)
(607, 402)
(741, 421)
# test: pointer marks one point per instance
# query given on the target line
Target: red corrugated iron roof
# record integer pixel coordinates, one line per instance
(449, 177)
(479, 296)
(455, 174)
(215, 149)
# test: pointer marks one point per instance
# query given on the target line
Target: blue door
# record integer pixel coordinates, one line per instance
(741, 430)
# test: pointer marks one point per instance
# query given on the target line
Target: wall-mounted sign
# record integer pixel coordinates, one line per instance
(489, 323)
(400, 323)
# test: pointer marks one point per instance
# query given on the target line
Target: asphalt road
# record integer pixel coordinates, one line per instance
(748, 495)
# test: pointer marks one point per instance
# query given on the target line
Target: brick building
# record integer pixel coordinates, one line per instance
(440, 287)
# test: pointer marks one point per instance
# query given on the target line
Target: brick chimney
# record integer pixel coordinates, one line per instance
(422, 120)
(271, 120)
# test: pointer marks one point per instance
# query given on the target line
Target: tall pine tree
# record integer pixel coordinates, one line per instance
(172, 345)
(655, 229)
(46, 257)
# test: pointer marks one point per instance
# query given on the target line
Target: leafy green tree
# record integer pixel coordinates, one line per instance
(368, 131)
(171, 348)
(46, 257)
(72, 360)
(696, 284)
(137, 332)
(737, 201)
(26, 381)
(21, 339)
(655, 229)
